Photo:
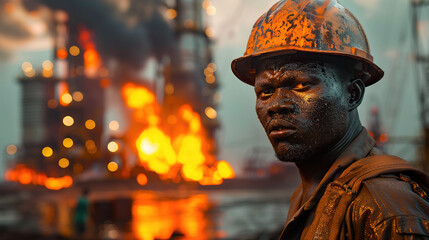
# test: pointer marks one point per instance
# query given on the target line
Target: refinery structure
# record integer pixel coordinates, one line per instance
(168, 119)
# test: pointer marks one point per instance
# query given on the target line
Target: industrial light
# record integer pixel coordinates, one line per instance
(63, 163)
(90, 124)
(11, 149)
(68, 121)
(112, 167)
(47, 151)
(113, 146)
(68, 142)
(114, 125)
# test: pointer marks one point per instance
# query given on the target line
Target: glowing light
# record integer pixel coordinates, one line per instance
(210, 79)
(63, 163)
(142, 179)
(137, 97)
(91, 147)
(68, 142)
(30, 73)
(169, 89)
(211, 10)
(62, 53)
(11, 149)
(225, 170)
(68, 121)
(384, 138)
(74, 51)
(114, 125)
(112, 167)
(171, 14)
(212, 66)
(113, 146)
(209, 32)
(58, 183)
(47, 151)
(47, 65)
(66, 98)
(210, 113)
(206, 3)
(90, 124)
(78, 96)
(47, 73)
(26, 67)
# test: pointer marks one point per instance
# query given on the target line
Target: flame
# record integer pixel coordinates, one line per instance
(25, 175)
(186, 154)
(63, 93)
(91, 58)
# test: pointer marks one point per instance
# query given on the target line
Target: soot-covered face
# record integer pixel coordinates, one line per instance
(302, 105)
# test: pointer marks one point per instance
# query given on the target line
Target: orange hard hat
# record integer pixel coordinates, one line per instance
(312, 26)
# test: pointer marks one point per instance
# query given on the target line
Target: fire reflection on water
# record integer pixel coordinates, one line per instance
(157, 218)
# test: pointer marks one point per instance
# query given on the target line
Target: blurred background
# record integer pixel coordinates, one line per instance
(122, 117)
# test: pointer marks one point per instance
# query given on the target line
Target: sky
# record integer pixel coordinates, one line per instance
(387, 25)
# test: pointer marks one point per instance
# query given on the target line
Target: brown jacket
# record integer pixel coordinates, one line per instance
(391, 205)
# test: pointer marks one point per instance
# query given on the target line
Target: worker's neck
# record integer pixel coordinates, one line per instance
(313, 170)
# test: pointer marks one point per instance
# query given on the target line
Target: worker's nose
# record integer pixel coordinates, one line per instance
(281, 105)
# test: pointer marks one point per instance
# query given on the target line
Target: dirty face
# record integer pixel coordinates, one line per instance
(302, 106)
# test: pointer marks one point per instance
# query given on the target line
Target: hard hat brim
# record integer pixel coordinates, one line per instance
(244, 69)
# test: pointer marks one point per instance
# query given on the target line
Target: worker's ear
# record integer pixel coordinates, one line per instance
(356, 91)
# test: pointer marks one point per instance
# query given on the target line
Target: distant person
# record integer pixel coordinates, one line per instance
(309, 63)
(81, 213)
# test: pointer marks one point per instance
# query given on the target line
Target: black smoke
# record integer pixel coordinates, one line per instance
(129, 37)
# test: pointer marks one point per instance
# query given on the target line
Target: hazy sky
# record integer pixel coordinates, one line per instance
(386, 22)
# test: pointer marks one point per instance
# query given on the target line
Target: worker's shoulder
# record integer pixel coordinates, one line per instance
(391, 195)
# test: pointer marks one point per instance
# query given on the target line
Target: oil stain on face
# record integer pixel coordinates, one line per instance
(302, 105)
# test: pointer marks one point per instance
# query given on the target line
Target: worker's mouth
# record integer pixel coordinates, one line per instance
(280, 129)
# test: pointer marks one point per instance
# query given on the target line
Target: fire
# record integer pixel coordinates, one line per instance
(26, 176)
(186, 154)
(91, 58)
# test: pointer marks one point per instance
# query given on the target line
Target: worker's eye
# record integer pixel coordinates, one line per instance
(301, 86)
(265, 93)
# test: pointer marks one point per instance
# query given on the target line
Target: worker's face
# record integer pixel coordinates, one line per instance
(302, 106)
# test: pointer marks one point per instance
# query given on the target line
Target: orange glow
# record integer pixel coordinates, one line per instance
(142, 179)
(11, 149)
(64, 95)
(91, 59)
(113, 146)
(74, 50)
(63, 163)
(90, 124)
(137, 97)
(68, 121)
(384, 138)
(58, 183)
(171, 14)
(225, 170)
(105, 83)
(114, 125)
(62, 53)
(210, 113)
(78, 96)
(68, 143)
(25, 175)
(159, 218)
(186, 156)
(47, 151)
(112, 167)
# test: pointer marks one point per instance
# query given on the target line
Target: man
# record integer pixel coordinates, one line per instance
(309, 63)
